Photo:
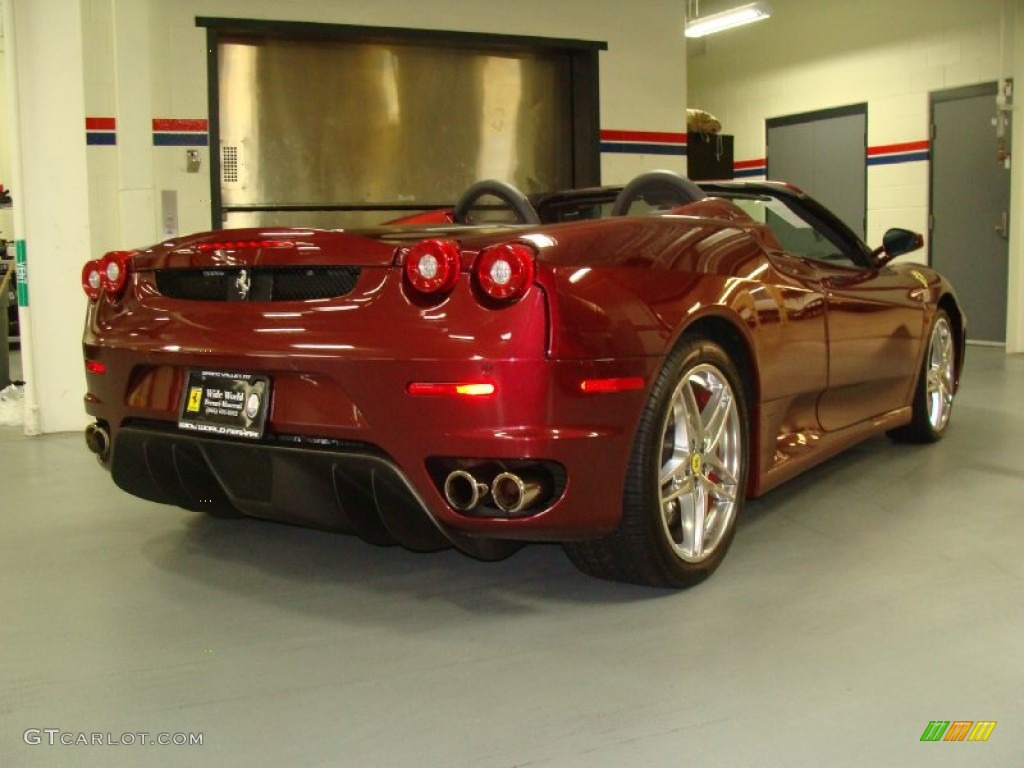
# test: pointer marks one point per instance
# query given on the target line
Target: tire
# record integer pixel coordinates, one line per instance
(936, 383)
(679, 505)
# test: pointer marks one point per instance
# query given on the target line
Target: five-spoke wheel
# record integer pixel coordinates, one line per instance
(933, 398)
(686, 479)
(940, 374)
(701, 460)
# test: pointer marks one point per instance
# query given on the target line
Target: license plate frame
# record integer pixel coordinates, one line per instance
(226, 403)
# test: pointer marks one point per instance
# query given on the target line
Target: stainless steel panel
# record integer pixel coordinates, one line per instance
(328, 123)
(316, 219)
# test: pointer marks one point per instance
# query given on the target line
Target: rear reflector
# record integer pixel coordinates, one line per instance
(452, 388)
(95, 366)
(600, 386)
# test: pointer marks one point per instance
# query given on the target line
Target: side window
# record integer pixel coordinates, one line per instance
(800, 238)
(795, 234)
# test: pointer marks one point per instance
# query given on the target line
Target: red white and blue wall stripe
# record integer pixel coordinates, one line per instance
(174, 132)
(167, 132)
(883, 154)
(906, 152)
(101, 131)
(744, 169)
(643, 142)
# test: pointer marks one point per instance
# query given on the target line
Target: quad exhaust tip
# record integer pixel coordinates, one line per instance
(463, 491)
(98, 440)
(510, 493)
(513, 494)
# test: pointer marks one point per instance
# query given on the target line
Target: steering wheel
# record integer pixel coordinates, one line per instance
(512, 197)
(662, 186)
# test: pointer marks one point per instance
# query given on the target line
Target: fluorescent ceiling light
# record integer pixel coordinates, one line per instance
(734, 17)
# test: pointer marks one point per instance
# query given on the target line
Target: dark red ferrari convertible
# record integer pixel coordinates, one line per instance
(612, 369)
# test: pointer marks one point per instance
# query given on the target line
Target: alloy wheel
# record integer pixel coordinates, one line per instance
(941, 365)
(700, 463)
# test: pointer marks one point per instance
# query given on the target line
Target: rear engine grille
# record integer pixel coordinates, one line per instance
(258, 284)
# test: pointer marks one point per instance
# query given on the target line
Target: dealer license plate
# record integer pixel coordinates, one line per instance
(225, 403)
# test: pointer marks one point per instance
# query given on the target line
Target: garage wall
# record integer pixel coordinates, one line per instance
(1015, 299)
(145, 60)
(43, 54)
(815, 55)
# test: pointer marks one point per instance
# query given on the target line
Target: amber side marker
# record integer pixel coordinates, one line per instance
(451, 388)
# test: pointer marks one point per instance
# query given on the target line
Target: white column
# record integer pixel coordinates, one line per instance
(1015, 299)
(136, 196)
(52, 220)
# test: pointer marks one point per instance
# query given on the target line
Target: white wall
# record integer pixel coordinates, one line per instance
(146, 59)
(1015, 303)
(134, 61)
(43, 40)
(816, 54)
(643, 81)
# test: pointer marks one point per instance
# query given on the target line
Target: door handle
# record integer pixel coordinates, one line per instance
(1003, 227)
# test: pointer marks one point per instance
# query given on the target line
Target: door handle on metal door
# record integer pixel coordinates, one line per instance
(1003, 227)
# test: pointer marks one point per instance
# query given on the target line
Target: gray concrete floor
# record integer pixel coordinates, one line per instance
(860, 602)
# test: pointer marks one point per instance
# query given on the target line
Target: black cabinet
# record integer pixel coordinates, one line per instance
(709, 156)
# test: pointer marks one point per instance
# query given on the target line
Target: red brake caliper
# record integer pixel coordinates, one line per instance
(703, 396)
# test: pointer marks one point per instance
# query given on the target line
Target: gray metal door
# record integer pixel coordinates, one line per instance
(824, 153)
(970, 202)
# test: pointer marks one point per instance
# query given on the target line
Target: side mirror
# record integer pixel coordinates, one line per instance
(896, 242)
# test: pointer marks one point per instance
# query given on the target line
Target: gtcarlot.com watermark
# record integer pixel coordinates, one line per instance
(57, 737)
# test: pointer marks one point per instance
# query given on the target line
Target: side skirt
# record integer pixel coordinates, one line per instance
(795, 460)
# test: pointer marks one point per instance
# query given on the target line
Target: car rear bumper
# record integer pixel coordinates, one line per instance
(336, 486)
(348, 448)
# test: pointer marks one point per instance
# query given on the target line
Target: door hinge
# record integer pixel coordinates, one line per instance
(931, 222)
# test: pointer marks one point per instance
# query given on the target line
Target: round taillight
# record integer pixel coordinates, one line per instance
(433, 266)
(114, 272)
(505, 272)
(92, 282)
